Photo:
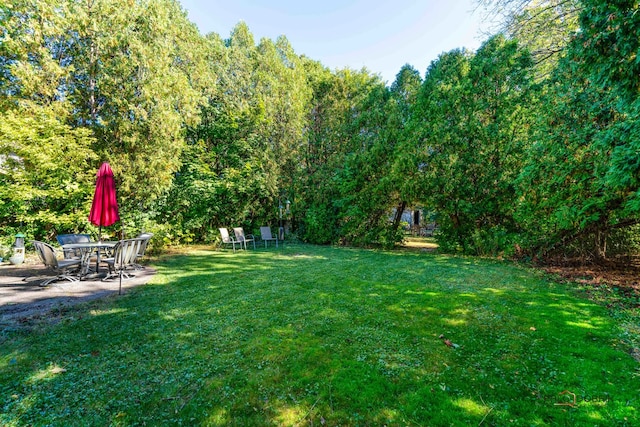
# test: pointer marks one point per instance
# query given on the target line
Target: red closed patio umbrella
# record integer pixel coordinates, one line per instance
(104, 209)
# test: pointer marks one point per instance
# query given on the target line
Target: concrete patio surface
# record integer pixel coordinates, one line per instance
(22, 297)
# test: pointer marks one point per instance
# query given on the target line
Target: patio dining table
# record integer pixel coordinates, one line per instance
(87, 249)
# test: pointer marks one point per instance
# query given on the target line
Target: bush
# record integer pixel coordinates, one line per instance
(319, 225)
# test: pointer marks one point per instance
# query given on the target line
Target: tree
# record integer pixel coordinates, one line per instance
(404, 93)
(580, 184)
(221, 177)
(430, 159)
(129, 71)
(245, 150)
(365, 200)
(46, 181)
(608, 50)
(281, 83)
(33, 54)
(471, 122)
(138, 79)
(344, 122)
(544, 27)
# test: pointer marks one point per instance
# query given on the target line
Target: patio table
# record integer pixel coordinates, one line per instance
(88, 248)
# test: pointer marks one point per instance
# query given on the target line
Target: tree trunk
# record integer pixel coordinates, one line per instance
(601, 245)
(398, 216)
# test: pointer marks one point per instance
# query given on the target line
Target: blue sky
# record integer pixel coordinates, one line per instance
(379, 35)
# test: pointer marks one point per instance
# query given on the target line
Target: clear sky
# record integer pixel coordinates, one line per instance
(380, 35)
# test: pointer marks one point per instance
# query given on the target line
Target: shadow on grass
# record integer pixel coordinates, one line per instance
(311, 335)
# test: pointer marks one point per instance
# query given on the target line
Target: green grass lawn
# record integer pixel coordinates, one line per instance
(306, 335)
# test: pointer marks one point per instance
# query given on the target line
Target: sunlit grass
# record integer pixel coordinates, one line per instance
(415, 242)
(307, 335)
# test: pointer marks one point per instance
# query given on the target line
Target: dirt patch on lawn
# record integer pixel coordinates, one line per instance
(625, 278)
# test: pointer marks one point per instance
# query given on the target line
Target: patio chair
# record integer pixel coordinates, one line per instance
(227, 239)
(124, 257)
(266, 236)
(63, 268)
(65, 239)
(144, 237)
(242, 238)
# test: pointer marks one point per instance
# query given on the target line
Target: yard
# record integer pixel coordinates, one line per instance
(309, 335)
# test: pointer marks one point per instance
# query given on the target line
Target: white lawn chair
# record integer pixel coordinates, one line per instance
(227, 239)
(242, 238)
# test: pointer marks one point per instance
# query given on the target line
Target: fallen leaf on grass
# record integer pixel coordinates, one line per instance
(448, 343)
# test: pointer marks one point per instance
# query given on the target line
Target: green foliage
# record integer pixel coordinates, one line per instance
(140, 66)
(242, 155)
(581, 177)
(128, 71)
(46, 177)
(313, 335)
(543, 27)
(529, 145)
(344, 159)
(363, 181)
(469, 131)
(607, 50)
(320, 223)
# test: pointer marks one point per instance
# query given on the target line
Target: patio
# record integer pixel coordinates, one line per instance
(21, 297)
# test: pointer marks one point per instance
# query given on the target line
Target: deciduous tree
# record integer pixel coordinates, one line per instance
(45, 174)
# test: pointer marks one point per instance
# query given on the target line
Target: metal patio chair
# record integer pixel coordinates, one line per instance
(227, 239)
(65, 239)
(124, 257)
(144, 237)
(266, 236)
(244, 238)
(62, 267)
